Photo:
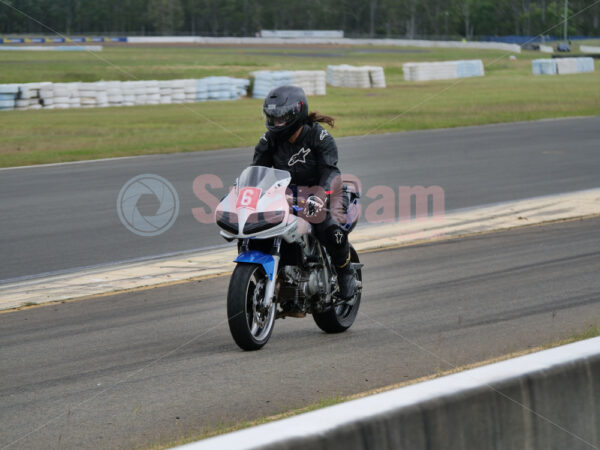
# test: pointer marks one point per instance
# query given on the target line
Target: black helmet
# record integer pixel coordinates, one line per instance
(285, 104)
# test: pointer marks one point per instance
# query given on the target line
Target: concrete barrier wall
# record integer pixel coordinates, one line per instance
(589, 49)
(295, 34)
(549, 399)
(327, 38)
(307, 41)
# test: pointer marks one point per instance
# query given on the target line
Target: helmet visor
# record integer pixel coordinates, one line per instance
(280, 115)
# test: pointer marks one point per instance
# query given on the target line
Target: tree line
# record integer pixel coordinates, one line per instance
(357, 18)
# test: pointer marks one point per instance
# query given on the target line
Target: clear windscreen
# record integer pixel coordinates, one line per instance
(262, 177)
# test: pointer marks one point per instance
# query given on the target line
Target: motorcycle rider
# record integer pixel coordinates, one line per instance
(296, 142)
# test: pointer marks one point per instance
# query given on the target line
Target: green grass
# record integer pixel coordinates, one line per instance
(508, 92)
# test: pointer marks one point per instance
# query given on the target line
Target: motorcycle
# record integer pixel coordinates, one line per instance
(282, 270)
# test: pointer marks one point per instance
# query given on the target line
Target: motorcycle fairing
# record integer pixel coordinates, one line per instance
(257, 203)
(257, 257)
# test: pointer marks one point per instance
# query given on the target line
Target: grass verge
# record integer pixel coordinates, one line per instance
(508, 92)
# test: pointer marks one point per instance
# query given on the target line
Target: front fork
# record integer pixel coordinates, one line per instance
(270, 288)
(271, 280)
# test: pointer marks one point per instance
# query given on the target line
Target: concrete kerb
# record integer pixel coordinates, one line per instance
(123, 277)
(549, 399)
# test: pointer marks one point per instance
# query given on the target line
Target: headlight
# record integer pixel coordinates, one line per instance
(228, 221)
(263, 221)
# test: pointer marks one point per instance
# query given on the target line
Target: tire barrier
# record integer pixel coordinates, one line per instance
(544, 66)
(589, 49)
(443, 70)
(548, 399)
(119, 93)
(562, 66)
(224, 88)
(8, 96)
(356, 76)
(546, 49)
(312, 81)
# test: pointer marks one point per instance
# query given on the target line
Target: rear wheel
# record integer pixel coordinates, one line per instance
(341, 317)
(250, 323)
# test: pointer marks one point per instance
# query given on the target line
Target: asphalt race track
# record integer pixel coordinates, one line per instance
(63, 217)
(151, 366)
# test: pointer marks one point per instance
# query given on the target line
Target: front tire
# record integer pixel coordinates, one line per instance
(250, 325)
(339, 318)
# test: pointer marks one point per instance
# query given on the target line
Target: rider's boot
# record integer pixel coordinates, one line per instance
(347, 280)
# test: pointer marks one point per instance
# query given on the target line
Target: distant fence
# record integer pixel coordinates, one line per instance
(549, 399)
(530, 39)
(52, 48)
(60, 40)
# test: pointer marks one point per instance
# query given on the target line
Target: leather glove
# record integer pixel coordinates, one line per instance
(314, 205)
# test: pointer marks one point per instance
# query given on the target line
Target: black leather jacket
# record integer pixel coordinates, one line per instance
(311, 159)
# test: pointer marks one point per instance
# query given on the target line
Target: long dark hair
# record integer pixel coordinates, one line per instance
(316, 116)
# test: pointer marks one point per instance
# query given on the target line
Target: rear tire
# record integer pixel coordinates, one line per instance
(250, 327)
(340, 318)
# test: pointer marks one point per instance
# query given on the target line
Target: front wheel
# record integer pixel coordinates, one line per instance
(250, 323)
(341, 317)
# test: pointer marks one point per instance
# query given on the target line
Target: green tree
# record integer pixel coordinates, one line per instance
(165, 16)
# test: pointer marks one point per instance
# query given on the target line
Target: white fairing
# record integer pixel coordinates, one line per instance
(261, 190)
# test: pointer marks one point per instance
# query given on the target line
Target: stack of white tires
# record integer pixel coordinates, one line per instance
(29, 96)
(356, 76)
(312, 81)
(443, 70)
(151, 90)
(8, 96)
(119, 93)
(562, 66)
(267, 80)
